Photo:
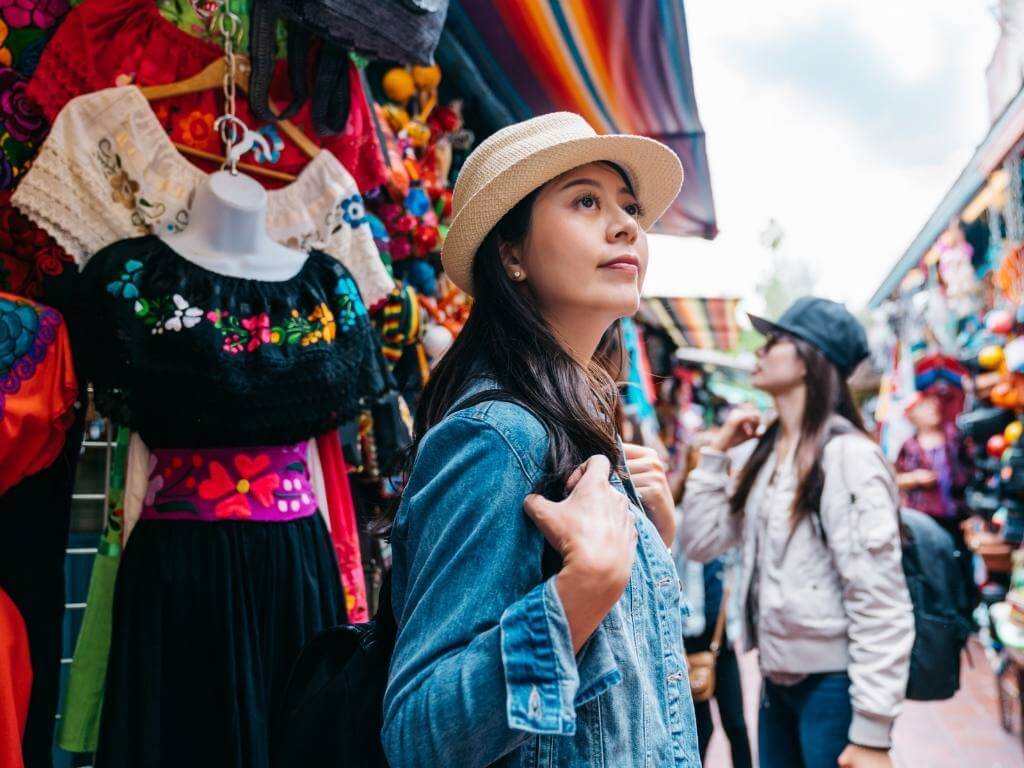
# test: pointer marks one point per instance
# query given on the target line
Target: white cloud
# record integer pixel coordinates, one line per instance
(845, 121)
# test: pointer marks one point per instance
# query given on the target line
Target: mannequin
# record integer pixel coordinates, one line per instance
(227, 232)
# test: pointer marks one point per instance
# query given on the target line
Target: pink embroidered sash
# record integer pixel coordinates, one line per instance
(257, 484)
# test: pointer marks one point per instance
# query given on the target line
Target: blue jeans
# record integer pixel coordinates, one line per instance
(805, 725)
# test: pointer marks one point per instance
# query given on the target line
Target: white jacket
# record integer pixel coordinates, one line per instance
(837, 602)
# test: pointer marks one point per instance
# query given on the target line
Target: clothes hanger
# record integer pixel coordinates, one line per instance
(213, 76)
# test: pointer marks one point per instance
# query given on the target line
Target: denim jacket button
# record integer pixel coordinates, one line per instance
(536, 710)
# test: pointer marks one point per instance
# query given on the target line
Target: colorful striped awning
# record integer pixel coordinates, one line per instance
(622, 64)
(703, 323)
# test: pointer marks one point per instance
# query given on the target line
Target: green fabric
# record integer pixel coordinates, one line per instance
(183, 15)
(80, 720)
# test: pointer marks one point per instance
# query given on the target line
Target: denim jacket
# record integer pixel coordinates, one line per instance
(483, 671)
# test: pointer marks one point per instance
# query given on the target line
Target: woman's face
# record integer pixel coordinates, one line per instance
(779, 367)
(585, 251)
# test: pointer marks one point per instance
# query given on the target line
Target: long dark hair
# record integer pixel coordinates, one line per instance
(505, 337)
(828, 395)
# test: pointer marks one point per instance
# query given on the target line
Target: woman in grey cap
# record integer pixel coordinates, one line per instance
(815, 510)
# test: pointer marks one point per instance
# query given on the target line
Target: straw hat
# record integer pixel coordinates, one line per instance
(518, 159)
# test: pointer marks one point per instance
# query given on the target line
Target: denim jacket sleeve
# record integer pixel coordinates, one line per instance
(483, 657)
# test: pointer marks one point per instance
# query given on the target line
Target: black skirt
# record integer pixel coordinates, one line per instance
(208, 620)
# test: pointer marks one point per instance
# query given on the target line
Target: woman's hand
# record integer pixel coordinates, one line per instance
(594, 532)
(648, 474)
(855, 756)
(740, 425)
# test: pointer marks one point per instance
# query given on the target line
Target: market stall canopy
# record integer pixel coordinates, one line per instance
(973, 181)
(624, 65)
(704, 323)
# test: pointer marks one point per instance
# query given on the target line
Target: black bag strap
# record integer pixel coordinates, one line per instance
(262, 55)
(332, 91)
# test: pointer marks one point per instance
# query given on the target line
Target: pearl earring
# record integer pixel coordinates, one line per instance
(516, 275)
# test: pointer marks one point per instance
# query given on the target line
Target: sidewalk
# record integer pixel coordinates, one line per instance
(963, 732)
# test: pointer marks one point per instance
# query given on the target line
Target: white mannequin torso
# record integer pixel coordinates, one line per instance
(227, 232)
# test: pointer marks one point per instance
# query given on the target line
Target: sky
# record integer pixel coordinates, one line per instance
(846, 121)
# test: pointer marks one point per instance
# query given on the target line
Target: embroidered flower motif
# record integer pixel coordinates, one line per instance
(123, 189)
(20, 117)
(26, 333)
(350, 305)
(197, 129)
(27, 253)
(353, 211)
(258, 327)
(184, 316)
(276, 145)
(322, 326)
(18, 326)
(294, 495)
(235, 493)
(42, 14)
(127, 285)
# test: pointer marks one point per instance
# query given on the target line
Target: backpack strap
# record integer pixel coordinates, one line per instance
(904, 531)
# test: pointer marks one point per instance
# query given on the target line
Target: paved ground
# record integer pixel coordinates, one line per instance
(962, 732)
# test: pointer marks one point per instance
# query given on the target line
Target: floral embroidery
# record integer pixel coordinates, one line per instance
(250, 483)
(41, 14)
(276, 145)
(248, 333)
(294, 495)
(171, 489)
(168, 314)
(350, 305)
(19, 117)
(125, 189)
(353, 211)
(27, 253)
(243, 333)
(321, 314)
(197, 129)
(26, 333)
(127, 285)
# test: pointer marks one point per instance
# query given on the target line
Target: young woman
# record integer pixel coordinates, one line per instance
(815, 510)
(504, 656)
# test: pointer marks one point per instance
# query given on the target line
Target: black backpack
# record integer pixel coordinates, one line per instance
(331, 713)
(937, 579)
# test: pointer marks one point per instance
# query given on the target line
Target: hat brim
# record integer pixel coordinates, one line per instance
(653, 168)
(766, 327)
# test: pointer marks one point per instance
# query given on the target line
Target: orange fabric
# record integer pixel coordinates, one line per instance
(344, 528)
(15, 682)
(37, 388)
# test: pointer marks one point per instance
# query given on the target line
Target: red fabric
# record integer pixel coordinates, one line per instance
(104, 43)
(15, 682)
(37, 388)
(28, 255)
(344, 529)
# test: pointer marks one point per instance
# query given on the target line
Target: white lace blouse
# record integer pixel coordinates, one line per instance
(109, 172)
